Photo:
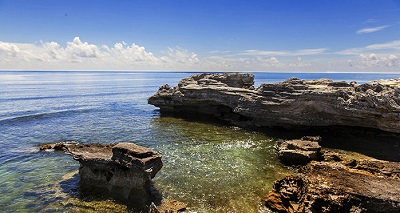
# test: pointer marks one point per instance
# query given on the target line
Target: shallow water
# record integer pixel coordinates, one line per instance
(211, 167)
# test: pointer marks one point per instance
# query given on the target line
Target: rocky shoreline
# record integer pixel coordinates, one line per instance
(330, 184)
(293, 103)
(324, 182)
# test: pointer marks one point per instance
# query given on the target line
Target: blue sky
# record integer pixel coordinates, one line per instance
(202, 35)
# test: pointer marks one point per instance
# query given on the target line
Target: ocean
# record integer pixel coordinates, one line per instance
(210, 166)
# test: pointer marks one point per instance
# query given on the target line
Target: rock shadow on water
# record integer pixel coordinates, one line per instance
(349, 116)
(366, 141)
(374, 143)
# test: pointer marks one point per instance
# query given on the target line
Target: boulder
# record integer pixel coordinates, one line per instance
(298, 152)
(291, 103)
(122, 171)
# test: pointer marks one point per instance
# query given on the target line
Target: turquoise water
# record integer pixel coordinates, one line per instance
(211, 167)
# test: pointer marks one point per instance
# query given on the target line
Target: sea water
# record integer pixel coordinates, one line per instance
(209, 166)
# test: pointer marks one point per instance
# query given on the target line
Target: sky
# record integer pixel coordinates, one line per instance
(201, 35)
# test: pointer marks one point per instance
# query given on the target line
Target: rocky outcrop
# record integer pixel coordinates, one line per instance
(334, 187)
(292, 103)
(327, 183)
(298, 152)
(122, 171)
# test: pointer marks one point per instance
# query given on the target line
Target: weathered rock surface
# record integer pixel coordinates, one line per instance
(299, 152)
(334, 187)
(292, 103)
(122, 171)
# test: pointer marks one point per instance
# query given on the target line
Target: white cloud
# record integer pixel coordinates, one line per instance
(269, 62)
(393, 60)
(133, 54)
(78, 49)
(180, 55)
(218, 52)
(395, 45)
(9, 49)
(371, 29)
(373, 60)
(351, 51)
(54, 50)
(82, 55)
(371, 20)
(301, 52)
(388, 47)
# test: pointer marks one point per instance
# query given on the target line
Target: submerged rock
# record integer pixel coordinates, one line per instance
(170, 206)
(122, 171)
(292, 103)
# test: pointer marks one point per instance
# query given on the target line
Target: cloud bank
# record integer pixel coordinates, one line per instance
(79, 55)
(82, 55)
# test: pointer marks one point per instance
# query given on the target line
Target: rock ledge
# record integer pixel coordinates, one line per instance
(333, 185)
(292, 103)
(122, 171)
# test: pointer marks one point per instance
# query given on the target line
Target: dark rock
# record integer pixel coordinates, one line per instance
(311, 138)
(292, 103)
(298, 152)
(379, 168)
(278, 203)
(61, 146)
(122, 171)
(291, 187)
(334, 187)
(331, 156)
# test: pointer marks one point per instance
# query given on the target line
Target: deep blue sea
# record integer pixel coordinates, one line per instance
(208, 166)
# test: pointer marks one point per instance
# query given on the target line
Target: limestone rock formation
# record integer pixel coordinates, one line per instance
(292, 103)
(122, 171)
(334, 187)
(298, 152)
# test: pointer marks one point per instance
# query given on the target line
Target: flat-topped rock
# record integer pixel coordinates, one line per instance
(291, 103)
(298, 152)
(122, 171)
(131, 155)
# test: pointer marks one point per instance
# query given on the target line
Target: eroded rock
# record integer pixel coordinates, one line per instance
(278, 203)
(335, 187)
(122, 171)
(292, 103)
(298, 152)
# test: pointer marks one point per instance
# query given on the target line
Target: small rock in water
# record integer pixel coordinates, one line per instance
(299, 152)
